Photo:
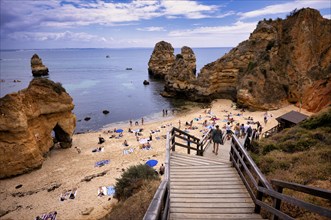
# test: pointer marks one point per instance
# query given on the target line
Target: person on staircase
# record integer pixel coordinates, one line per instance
(217, 137)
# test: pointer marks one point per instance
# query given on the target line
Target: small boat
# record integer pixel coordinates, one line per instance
(107, 56)
(129, 68)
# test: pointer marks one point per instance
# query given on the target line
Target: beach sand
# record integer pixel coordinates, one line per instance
(65, 169)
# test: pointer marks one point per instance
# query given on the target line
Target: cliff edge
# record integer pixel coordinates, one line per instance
(27, 120)
(283, 61)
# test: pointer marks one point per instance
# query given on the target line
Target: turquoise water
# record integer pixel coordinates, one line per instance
(97, 83)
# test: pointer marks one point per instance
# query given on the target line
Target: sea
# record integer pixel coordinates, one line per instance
(101, 79)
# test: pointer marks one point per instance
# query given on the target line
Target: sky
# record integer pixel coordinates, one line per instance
(39, 24)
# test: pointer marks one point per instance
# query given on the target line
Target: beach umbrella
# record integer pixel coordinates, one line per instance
(119, 130)
(151, 163)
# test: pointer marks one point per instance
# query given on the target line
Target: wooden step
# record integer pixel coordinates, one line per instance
(215, 186)
(213, 210)
(208, 191)
(246, 216)
(212, 205)
(234, 197)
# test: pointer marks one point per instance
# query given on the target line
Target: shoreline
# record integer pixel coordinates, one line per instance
(66, 169)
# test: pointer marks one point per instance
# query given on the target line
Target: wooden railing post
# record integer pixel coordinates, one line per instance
(173, 140)
(189, 145)
(277, 202)
(259, 196)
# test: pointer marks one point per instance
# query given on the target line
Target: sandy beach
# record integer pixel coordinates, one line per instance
(68, 169)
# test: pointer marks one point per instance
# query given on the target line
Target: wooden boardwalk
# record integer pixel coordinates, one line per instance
(207, 187)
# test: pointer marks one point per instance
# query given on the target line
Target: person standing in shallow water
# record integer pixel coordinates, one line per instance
(217, 137)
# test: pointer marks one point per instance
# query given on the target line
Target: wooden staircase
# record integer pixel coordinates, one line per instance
(207, 188)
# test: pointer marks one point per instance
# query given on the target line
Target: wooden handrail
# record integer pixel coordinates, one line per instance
(248, 171)
(162, 193)
(323, 193)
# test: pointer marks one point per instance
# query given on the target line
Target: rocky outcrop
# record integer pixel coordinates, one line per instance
(189, 57)
(31, 121)
(162, 60)
(37, 66)
(281, 62)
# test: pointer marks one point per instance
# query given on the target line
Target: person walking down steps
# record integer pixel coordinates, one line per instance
(217, 137)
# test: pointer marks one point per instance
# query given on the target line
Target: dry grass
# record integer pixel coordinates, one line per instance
(135, 206)
(302, 155)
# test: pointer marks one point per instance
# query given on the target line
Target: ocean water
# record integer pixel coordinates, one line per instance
(97, 83)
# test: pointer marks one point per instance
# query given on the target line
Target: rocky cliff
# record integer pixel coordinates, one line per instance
(282, 61)
(162, 60)
(31, 121)
(37, 66)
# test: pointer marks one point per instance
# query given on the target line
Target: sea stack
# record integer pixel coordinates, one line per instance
(283, 61)
(37, 66)
(27, 120)
(162, 60)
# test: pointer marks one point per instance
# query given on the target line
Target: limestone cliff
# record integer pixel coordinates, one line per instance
(27, 120)
(282, 61)
(162, 60)
(37, 66)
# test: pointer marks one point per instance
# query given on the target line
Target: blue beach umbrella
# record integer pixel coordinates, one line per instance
(119, 130)
(151, 163)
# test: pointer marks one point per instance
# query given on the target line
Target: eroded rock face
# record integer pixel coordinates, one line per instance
(281, 62)
(27, 119)
(37, 66)
(162, 60)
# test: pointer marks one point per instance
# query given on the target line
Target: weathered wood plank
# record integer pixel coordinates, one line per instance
(176, 216)
(212, 210)
(216, 186)
(211, 205)
(225, 184)
(197, 170)
(202, 190)
(202, 167)
(246, 199)
(225, 179)
(203, 175)
(198, 158)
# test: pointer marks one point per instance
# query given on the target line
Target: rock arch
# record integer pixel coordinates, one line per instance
(27, 119)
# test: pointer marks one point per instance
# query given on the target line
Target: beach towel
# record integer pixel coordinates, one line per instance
(128, 151)
(110, 190)
(47, 216)
(106, 190)
(101, 163)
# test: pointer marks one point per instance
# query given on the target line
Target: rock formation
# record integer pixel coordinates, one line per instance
(37, 66)
(282, 61)
(162, 60)
(27, 120)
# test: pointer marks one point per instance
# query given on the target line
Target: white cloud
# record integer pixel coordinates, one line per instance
(327, 16)
(151, 29)
(24, 14)
(237, 28)
(285, 8)
(188, 9)
(56, 36)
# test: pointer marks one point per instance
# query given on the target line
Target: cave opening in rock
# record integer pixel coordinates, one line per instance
(61, 137)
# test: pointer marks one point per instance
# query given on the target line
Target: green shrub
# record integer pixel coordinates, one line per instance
(268, 148)
(251, 65)
(133, 179)
(322, 120)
